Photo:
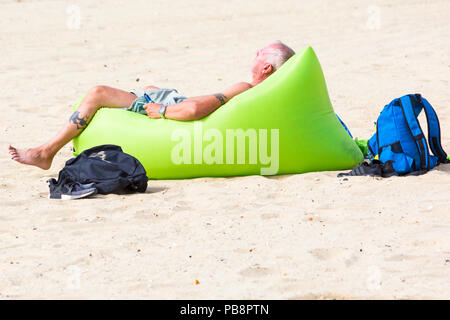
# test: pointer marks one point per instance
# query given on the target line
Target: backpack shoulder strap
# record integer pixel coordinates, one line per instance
(434, 130)
(406, 104)
(345, 127)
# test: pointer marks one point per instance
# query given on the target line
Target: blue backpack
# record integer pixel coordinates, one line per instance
(400, 139)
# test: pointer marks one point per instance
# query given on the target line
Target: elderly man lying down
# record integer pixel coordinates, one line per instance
(152, 101)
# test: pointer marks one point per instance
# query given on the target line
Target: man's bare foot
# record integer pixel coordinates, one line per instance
(33, 156)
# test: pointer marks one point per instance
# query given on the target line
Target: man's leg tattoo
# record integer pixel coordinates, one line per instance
(80, 122)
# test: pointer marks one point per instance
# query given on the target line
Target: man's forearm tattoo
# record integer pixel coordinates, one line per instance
(221, 97)
(80, 122)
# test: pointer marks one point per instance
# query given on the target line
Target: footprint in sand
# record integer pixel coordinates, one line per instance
(12, 203)
(327, 253)
(255, 272)
(28, 110)
(325, 296)
(401, 257)
(148, 214)
(267, 216)
(179, 208)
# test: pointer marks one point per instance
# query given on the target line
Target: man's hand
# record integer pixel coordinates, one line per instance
(152, 110)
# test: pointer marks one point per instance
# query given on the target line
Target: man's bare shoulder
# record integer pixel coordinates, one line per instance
(243, 85)
(236, 89)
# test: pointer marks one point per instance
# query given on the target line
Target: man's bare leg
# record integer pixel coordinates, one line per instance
(97, 97)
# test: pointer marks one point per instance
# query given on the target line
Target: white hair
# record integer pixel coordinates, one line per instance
(278, 53)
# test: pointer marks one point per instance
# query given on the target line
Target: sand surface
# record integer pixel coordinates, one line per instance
(287, 237)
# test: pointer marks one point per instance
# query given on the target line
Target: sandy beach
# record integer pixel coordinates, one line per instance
(306, 236)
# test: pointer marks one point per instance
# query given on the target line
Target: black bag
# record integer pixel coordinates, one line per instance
(109, 168)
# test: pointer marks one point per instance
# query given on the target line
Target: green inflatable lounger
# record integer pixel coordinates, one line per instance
(284, 125)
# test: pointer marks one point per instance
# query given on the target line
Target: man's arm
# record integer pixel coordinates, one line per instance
(197, 107)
